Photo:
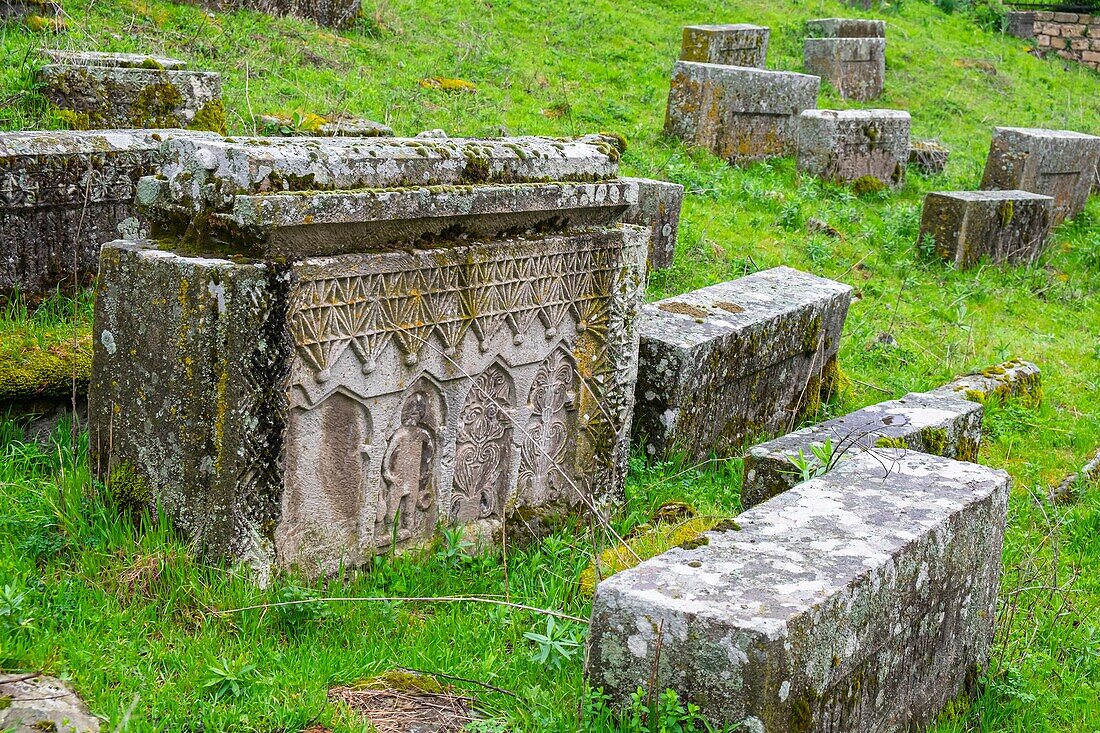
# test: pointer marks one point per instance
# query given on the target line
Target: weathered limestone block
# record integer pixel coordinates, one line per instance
(855, 66)
(736, 360)
(928, 156)
(658, 207)
(107, 91)
(1020, 23)
(845, 28)
(331, 13)
(738, 44)
(36, 703)
(365, 374)
(1016, 379)
(844, 146)
(1001, 226)
(860, 601)
(737, 113)
(317, 126)
(62, 194)
(1057, 163)
(944, 425)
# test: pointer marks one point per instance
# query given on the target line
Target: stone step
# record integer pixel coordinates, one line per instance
(860, 601)
(731, 361)
(945, 425)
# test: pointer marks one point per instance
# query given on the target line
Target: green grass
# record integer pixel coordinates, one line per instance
(127, 614)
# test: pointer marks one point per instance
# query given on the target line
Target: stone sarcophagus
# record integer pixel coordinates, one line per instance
(62, 195)
(738, 44)
(354, 342)
(738, 113)
(736, 360)
(98, 91)
(847, 145)
(1057, 163)
(856, 67)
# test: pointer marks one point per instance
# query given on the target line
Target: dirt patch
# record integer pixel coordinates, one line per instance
(406, 708)
(684, 309)
(729, 307)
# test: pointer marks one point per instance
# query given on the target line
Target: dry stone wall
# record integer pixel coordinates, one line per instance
(1073, 36)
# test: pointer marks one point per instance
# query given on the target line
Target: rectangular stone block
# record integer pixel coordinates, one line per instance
(62, 195)
(1000, 226)
(311, 410)
(1057, 163)
(945, 425)
(1020, 24)
(331, 13)
(856, 67)
(736, 360)
(844, 146)
(845, 28)
(658, 208)
(928, 156)
(107, 91)
(737, 44)
(737, 113)
(860, 601)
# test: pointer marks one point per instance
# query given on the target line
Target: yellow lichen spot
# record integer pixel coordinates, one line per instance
(444, 84)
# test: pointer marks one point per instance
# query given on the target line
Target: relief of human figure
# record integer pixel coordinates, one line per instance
(406, 508)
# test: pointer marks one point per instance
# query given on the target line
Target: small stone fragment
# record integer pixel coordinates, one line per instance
(928, 156)
(1016, 379)
(316, 126)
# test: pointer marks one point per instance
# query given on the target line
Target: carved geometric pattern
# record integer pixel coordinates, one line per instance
(447, 301)
(63, 180)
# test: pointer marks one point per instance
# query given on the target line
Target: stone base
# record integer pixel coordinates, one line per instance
(64, 194)
(729, 45)
(852, 144)
(1000, 226)
(845, 28)
(860, 601)
(109, 91)
(658, 208)
(928, 157)
(1057, 163)
(737, 113)
(856, 67)
(733, 361)
(943, 425)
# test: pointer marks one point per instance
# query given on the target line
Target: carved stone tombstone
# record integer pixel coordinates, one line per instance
(856, 67)
(847, 145)
(433, 335)
(738, 44)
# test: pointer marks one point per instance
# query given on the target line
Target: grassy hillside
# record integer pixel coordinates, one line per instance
(131, 619)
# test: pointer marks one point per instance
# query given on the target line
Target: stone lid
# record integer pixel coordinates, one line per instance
(206, 175)
(1043, 133)
(846, 28)
(728, 27)
(114, 60)
(1009, 195)
(35, 143)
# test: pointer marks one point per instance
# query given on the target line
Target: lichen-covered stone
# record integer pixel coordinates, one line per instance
(856, 67)
(658, 208)
(1016, 379)
(62, 194)
(928, 156)
(845, 146)
(107, 91)
(739, 114)
(312, 411)
(331, 13)
(860, 601)
(736, 360)
(845, 28)
(35, 703)
(944, 425)
(1057, 163)
(317, 126)
(737, 44)
(999, 226)
(114, 59)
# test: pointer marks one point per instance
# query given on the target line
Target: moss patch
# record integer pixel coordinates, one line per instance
(130, 491)
(33, 373)
(210, 118)
(157, 105)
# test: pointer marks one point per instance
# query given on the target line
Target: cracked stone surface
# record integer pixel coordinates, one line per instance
(735, 360)
(1057, 163)
(739, 114)
(737, 44)
(860, 601)
(37, 703)
(856, 67)
(658, 207)
(379, 347)
(998, 226)
(942, 424)
(62, 195)
(844, 146)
